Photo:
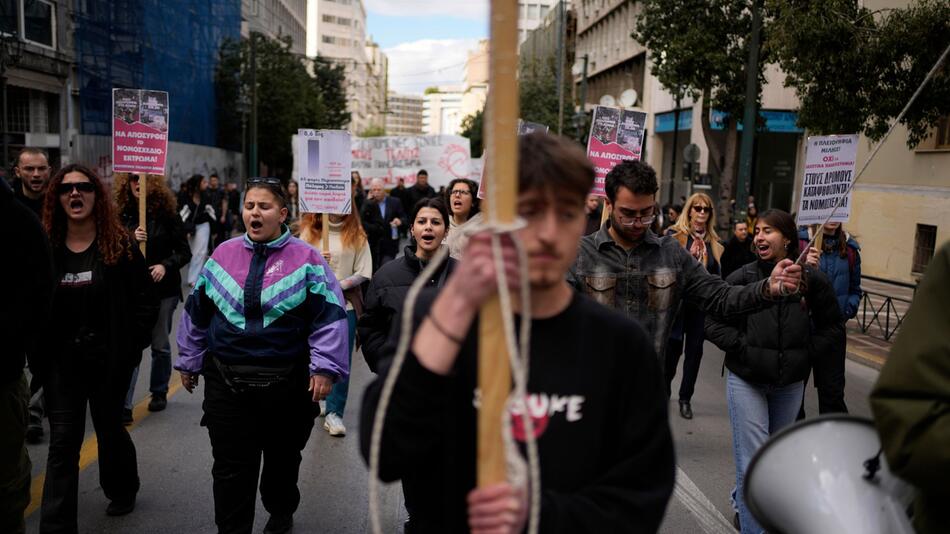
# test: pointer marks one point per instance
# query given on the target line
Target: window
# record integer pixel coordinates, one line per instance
(942, 137)
(924, 243)
(329, 18)
(39, 22)
(9, 20)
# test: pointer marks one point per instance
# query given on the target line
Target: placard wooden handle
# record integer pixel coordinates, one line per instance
(494, 374)
(143, 192)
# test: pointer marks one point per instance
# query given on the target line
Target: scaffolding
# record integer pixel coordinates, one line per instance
(166, 45)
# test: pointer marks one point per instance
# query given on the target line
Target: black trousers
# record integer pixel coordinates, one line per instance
(828, 370)
(694, 335)
(75, 379)
(273, 424)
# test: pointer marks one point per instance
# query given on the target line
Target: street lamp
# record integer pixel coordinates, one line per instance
(580, 117)
(11, 51)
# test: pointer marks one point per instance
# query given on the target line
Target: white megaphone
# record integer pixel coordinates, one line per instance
(827, 475)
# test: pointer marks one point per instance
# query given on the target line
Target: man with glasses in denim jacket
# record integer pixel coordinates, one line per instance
(626, 266)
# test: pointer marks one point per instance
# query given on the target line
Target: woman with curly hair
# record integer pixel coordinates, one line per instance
(103, 310)
(351, 261)
(166, 252)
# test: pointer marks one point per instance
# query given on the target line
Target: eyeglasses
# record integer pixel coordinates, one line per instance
(82, 187)
(460, 193)
(645, 218)
(702, 209)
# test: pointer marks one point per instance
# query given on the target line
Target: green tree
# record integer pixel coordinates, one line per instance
(431, 90)
(699, 49)
(373, 131)
(472, 129)
(288, 97)
(855, 69)
(537, 94)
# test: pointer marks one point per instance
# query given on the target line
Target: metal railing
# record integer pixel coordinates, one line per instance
(874, 305)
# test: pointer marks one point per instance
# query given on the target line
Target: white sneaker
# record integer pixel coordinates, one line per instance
(334, 425)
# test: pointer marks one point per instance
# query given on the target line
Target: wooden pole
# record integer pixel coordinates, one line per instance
(325, 234)
(494, 374)
(143, 192)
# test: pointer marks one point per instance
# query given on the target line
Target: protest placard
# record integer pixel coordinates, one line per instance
(139, 131)
(322, 168)
(444, 157)
(615, 135)
(829, 171)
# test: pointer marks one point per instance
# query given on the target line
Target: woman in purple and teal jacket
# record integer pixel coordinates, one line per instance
(266, 326)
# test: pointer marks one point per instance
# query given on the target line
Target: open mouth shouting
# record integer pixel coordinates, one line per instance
(764, 250)
(427, 238)
(76, 205)
(256, 226)
(456, 205)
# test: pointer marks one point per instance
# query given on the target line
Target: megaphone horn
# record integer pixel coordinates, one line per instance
(827, 475)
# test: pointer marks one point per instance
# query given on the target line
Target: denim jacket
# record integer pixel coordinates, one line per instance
(649, 283)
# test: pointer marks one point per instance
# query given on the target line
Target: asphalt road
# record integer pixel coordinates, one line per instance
(174, 458)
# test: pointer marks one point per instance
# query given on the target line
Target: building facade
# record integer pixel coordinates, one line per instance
(37, 53)
(170, 46)
(442, 111)
(404, 114)
(336, 29)
(277, 19)
(531, 13)
(616, 63)
(475, 88)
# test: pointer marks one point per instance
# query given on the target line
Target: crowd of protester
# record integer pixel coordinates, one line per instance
(277, 302)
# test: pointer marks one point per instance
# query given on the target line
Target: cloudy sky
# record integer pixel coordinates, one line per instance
(427, 41)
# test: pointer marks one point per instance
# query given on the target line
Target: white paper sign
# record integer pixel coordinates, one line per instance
(829, 171)
(322, 161)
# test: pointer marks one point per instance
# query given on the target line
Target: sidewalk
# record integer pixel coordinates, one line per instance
(872, 350)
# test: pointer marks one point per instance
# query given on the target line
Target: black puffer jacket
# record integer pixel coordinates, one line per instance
(167, 245)
(775, 346)
(378, 326)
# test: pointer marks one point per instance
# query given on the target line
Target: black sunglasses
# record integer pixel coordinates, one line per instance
(82, 187)
(264, 180)
(702, 209)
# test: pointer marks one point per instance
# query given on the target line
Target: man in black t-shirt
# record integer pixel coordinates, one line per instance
(594, 391)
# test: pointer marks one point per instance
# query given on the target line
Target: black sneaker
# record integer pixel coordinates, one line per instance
(34, 435)
(120, 507)
(279, 524)
(158, 402)
(127, 417)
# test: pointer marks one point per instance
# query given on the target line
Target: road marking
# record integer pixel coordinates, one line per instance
(89, 452)
(710, 518)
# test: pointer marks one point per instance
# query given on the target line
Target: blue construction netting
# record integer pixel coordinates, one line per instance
(165, 45)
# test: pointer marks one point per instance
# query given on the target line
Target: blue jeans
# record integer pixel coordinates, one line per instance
(756, 412)
(161, 352)
(336, 400)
